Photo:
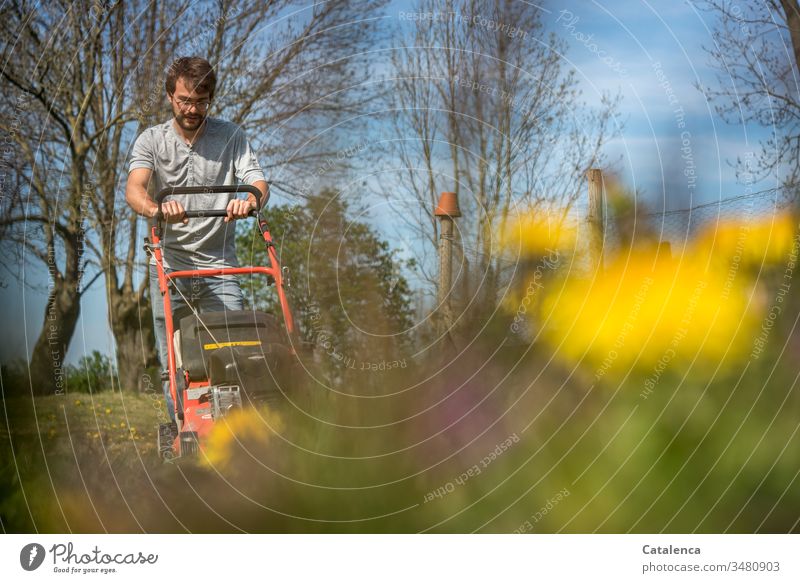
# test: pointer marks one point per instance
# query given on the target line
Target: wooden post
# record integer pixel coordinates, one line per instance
(596, 217)
(446, 270)
(447, 210)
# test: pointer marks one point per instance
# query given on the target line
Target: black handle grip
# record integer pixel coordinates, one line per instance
(209, 190)
(213, 213)
(233, 188)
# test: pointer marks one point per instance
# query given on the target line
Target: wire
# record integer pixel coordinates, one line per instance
(720, 203)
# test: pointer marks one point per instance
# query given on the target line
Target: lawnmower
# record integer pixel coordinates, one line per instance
(218, 362)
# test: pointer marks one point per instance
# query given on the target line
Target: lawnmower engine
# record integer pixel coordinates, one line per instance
(226, 360)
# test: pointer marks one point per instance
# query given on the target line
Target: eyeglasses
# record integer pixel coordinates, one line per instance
(187, 104)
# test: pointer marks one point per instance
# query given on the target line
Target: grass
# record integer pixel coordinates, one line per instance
(121, 424)
(693, 456)
(61, 452)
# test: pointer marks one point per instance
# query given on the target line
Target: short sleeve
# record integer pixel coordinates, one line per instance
(142, 153)
(246, 166)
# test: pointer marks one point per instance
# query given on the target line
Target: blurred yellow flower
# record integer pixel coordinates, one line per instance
(520, 300)
(646, 313)
(241, 427)
(769, 239)
(538, 233)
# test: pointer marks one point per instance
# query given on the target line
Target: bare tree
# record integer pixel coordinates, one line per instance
(91, 70)
(756, 53)
(484, 106)
(46, 65)
(289, 72)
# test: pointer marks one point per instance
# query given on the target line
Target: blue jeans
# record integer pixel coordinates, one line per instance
(209, 294)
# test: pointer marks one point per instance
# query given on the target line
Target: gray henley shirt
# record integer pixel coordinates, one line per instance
(220, 155)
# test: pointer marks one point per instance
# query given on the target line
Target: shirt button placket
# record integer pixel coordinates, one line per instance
(191, 166)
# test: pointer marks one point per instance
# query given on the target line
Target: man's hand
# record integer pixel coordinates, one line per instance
(173, 212)
(239, 209)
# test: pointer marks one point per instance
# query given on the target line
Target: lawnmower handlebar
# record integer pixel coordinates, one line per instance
(233, 188)
(213, 213)
(165, 192)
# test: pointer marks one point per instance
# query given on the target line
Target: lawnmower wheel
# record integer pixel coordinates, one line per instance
(167, 432)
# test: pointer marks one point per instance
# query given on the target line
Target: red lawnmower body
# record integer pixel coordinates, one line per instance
(192, 396)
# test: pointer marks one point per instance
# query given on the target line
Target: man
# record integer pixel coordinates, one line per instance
(192, 149)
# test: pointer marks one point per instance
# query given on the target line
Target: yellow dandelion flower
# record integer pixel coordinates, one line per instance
(248, 425)
(641, 313)
(538, 233)
(771, 239)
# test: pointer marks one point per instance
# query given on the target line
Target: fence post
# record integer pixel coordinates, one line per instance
(446, 211)
(596, 217)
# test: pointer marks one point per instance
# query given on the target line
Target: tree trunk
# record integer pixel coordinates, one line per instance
(132, 326)
(60, 317)
(792, 11)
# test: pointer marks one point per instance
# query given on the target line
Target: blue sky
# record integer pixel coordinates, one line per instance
(650, 53)
(657, 61)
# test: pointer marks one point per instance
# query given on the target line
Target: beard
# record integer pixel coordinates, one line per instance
(189, 122)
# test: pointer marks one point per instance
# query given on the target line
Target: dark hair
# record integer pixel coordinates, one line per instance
(195, 71)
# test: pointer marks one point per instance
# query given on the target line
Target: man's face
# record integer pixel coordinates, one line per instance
(188, 106)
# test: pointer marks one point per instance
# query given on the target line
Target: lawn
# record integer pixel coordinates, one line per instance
(537, 451)
(61, 452)
(121, 424)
